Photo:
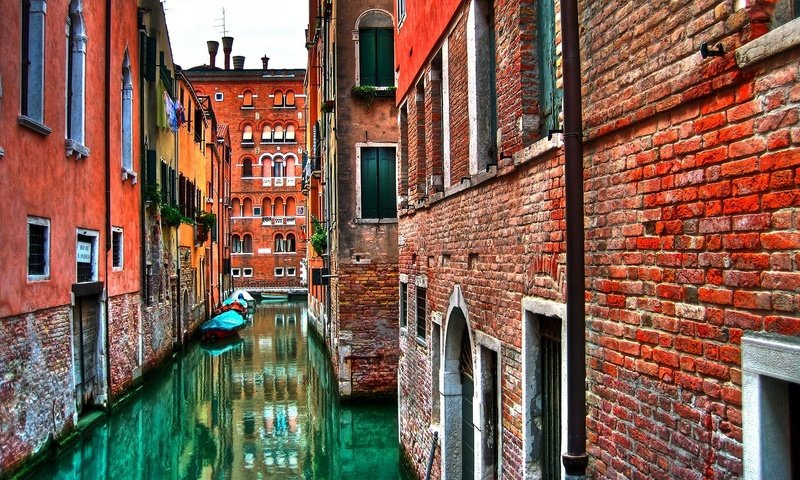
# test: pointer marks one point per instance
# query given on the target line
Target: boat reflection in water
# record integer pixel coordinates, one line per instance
(258, 406)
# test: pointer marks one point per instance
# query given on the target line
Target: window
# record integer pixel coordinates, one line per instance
(266, 134)
(785, 11)
(127, 119)
(376, 50)
(76, 82)
(289, 100)
(770, 390)
(291, 271)
(38, 248)
(278, 133)
(280, 244)
(290, 242)
(247, 168)
(86, 255)
(247, 272)
(219, 96)
(32, 66)
(247, 244)
(278, 98)
(256, 211)
(247, 99)
(550, 97)
(236, 272)
(279, 272)
(378, 189)
(421, 306)
(116, 248)
(290, 133)
(482, 80)
(247, 135)
(236, 244)
(278, 169)
(403, 305)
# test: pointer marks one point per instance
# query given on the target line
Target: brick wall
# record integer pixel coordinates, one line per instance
(459, 97)
(36, 395)
(125, 316)
(691, 189)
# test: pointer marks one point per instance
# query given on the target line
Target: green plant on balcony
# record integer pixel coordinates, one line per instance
(319, 239)
(173, 217)
(364, 93)
(153, 195)
(206, 220)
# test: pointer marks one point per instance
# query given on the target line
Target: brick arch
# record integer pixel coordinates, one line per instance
(236, 205)
(278, 98)
(291, 206)
(291, 164)
(245, 123)
(247, 206)
(367, 15)
(247, 166)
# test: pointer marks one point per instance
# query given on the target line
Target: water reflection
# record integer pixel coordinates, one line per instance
(255, 407)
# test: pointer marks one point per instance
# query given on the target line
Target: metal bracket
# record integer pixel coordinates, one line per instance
(705, 52)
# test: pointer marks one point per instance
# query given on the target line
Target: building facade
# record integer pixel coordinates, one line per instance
(691, 145)
(354, 151)
(264, 112)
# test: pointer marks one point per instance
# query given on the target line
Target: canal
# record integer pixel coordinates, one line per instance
(260, 407)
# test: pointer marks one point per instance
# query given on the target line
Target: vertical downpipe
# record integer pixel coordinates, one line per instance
(107, 126)
(575, 459)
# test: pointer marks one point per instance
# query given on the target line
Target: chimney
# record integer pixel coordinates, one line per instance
(238, 62)
(265, 62)
(213, 48)
(227, 47)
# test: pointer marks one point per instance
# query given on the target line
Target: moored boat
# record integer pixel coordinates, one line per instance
(223, 325)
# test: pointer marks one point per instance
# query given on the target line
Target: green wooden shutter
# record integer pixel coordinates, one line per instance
(387, 183)
(549, 95)
(384, 57)
(150, 55)
(367, 47)
(151, 168)
(369, 183)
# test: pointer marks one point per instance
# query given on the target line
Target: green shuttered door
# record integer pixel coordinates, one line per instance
(367, 43)
(369, 183)
(376, 51)
(378, 196)
(386, 187)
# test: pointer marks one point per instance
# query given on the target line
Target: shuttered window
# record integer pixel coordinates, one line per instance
(550, 96)
(376, 54)
(378, 197)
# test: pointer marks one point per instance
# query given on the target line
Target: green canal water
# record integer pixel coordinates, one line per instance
(260, 407)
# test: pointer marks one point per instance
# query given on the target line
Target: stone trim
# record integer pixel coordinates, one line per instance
(777, 41)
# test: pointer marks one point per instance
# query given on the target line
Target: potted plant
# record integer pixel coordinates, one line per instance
(319, 239)
(205, 223)
(173, 217)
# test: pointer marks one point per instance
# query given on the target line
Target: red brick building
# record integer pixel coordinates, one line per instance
(351, 183)
(691, 193)
(264, 111)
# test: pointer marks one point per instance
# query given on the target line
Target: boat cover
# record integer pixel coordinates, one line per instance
(244, 295)
(230, 320)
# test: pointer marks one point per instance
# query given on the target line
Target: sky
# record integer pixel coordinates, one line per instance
(275, 28)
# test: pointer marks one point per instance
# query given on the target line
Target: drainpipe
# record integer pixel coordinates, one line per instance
(142, 189)
(575, 459)
(107, 126)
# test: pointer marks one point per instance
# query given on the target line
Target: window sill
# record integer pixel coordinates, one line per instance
(75, 149)
(284, 107)
(781, 39)
(38, 278)
(248, 144)
(248, 107)
(34, 125)
(421, 341)
(126, 174)
(373, 221)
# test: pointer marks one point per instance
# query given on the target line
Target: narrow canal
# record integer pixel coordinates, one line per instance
(260, 407)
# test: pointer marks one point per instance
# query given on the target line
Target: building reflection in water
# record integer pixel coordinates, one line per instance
(258, 407)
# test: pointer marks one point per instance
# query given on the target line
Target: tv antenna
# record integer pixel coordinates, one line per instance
(221, 24)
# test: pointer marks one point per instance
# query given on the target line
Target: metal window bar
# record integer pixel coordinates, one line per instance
(421, 308)
(37, 250)
(550, 361)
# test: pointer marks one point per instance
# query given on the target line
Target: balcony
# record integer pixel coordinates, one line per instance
(278, 221)
(278, 181)
(267, 182)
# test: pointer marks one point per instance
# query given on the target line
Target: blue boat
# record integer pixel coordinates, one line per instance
(223, 325)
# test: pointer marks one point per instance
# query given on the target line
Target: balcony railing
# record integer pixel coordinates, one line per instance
(269, 221)
(279, 181)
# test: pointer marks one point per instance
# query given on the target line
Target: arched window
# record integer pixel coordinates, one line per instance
(266, 166)
(280, 210)
(290, 133)
(236, 244)
(375, 49)
(247, 168)
(127, 116)
(247, 99)
(291, 207)
(247, 207)
(266, 207)
(236, 207)
(290, 98)
(278, 98)
(277, 135)
(291, 163)
(266, 134)
(290, 242)
(76, 81)
(280, 245)
(247, 243)
(278, 168)
(247, 134)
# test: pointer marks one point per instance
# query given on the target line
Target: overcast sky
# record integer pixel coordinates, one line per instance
(275, 28)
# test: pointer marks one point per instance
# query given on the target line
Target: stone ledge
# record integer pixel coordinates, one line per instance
(34, 125)
(781, 39)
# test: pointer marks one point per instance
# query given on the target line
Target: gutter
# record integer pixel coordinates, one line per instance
(575, 459)
(107, 122)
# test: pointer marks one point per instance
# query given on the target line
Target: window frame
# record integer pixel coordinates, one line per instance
(360, 147)
(236, 272)
(293, 272)
(76, 82)
(219, 96)
(404, 305)
(41, 222)
(244, 272)
(421, 322)
(117, 241)
(80, 237)
(277, 270)
(32, 65)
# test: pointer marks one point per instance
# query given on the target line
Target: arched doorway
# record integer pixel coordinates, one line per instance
(458, 393)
